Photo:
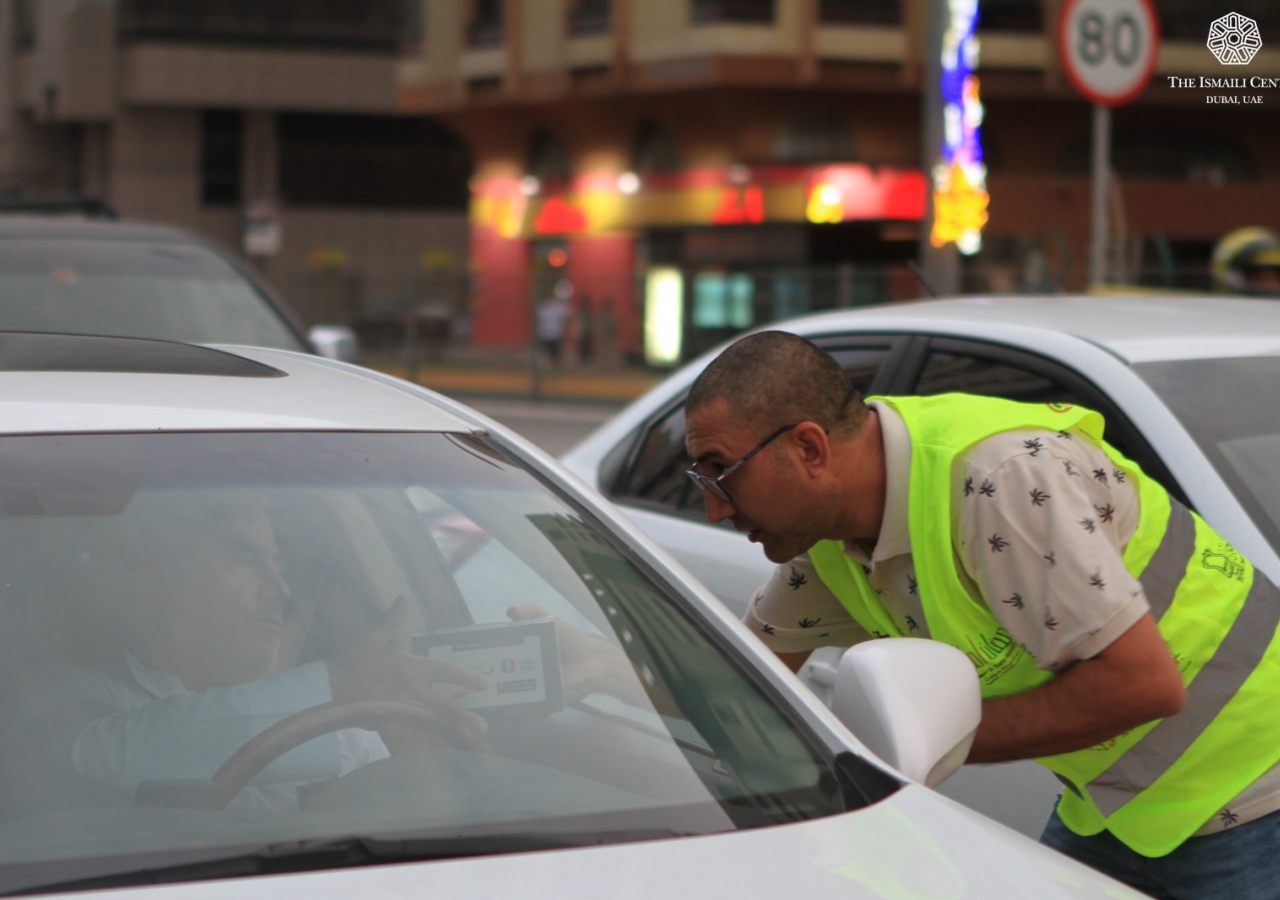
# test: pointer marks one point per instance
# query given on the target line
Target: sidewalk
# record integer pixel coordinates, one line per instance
(507, 374)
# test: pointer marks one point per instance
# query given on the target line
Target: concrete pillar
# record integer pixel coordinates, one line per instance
(260, 162)
(95, 160)
(260, 181)
(940, 266)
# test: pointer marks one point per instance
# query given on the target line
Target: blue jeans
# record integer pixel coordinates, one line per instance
(1241, 863)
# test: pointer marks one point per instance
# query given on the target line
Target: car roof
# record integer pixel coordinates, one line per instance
(85, 384)
(67, 227)
(1135, 328)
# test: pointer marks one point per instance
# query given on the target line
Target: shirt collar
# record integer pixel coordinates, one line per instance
(157, 684)
(894, 538)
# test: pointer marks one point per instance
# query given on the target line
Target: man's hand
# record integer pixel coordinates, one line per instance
(1132, 682)
(588, 665)
(371, 669)
(298, 613)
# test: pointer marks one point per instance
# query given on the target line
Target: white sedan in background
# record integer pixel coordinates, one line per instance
(197, 545)
(1187, 387)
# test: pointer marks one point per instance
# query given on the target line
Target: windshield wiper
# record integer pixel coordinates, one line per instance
(336, 853)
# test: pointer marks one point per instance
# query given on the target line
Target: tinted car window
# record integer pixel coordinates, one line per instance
(655, 475)
(946, 372)
(1019, 376)
(161, 290)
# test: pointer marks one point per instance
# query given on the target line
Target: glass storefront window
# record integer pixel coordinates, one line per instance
(723, 300)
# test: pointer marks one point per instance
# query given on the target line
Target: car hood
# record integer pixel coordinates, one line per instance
(915, 844)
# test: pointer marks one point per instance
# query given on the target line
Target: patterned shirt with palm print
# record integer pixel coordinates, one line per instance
(1042, 520)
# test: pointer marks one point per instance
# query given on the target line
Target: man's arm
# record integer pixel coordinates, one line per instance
(794, 661)
(1134, 680)
(794, 613)
(118, 737)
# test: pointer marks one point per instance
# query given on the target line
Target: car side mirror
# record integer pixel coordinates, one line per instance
(915, 703)
(334, 342)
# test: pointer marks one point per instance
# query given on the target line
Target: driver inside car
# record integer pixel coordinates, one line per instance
(204, 662)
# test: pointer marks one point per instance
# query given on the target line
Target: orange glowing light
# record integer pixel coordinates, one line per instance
(507, 215)
(826, 203)
(557, 257)
(959, 211)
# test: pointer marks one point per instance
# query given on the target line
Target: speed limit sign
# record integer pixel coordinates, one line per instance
(1109, 47)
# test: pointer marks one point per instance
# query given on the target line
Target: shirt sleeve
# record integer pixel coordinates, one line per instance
(794, 612)
(1044, 519)
(120, 739)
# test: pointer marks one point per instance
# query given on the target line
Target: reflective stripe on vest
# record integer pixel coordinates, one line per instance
(1155, 785)
(1219, 680)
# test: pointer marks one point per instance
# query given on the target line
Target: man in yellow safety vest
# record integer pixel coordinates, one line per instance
(1118, 639)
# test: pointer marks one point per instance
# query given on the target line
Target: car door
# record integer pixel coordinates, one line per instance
(657, 495)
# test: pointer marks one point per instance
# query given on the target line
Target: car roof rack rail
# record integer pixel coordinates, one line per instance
(89, 207)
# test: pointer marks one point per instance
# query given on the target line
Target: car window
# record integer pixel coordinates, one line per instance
(655, 475)
(161, 290)
(954, 372)
(165, 599)
(1229, 407)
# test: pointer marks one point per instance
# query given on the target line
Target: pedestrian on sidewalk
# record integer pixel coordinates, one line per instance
(553, 318)
(1118, 639)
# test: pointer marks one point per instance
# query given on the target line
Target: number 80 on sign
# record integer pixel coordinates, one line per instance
(1109, 47)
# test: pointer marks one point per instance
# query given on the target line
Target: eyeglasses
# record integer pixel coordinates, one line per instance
(714, 485)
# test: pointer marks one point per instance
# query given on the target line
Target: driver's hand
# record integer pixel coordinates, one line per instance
(371, 669)
(588, 665)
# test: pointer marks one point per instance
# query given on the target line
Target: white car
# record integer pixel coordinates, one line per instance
(94, 275)
(196, 541)
(1187, 387)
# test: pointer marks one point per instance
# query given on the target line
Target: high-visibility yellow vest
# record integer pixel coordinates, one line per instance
(1156, 785)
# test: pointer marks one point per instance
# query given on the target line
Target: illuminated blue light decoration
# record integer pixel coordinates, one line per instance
(960, 196)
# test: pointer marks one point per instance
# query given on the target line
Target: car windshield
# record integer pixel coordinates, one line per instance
(162, 290)
(1229, 407)
(167, 599)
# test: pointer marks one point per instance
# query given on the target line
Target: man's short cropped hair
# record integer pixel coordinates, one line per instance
(775, 378)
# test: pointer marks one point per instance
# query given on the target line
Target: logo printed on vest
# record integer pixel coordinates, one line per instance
(993, 656)
(1110, 743)
(1225, 559)
(1060, 407)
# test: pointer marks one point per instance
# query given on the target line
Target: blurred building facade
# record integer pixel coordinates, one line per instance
(222, 116)
(692, 167)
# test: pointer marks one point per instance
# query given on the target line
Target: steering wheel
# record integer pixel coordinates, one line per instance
(311, 723)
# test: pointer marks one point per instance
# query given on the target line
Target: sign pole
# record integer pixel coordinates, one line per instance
(1099, 237)
(1109, 50)
(941, 265)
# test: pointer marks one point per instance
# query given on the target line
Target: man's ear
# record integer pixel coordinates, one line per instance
(813, 445)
